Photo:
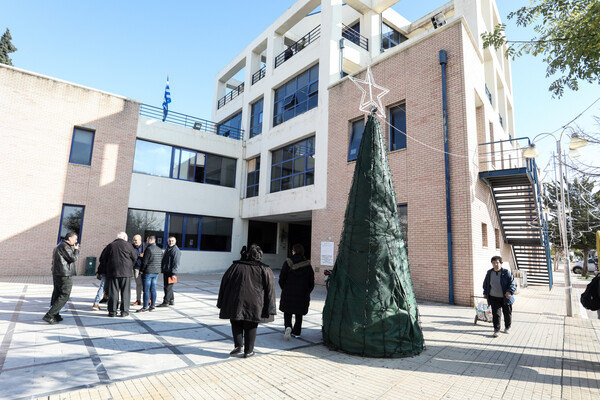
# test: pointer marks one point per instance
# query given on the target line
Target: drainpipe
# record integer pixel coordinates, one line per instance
(341, 58)
(443, 62)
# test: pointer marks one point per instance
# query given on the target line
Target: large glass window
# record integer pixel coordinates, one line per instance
(81, 146)
(216, 234)
(357, 129)
(253, 177)
(220, 170)
(185, 229)
(293, 166)
(390, 37)
(403, 217)
(152, 158)
(146, 223)
(264, 234)
(233, 124)
(256, 118)
(71, 220)
(398, 127)
(296, 96)
(179, 163)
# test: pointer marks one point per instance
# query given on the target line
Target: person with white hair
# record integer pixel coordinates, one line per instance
(118, 258)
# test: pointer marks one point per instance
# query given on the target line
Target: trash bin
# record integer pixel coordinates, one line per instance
(90, 266)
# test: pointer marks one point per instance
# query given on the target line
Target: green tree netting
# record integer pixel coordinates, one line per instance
(371, 309)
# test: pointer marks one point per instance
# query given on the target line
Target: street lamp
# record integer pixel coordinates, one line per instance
(575, 143)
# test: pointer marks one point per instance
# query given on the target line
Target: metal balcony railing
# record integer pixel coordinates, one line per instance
(502, 154)
(298, 46)
(355, 37)
(231, 95)
(189, 121)
(489, 94)
(258, 75)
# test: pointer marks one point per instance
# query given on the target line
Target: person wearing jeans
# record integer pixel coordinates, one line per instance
(150, 268)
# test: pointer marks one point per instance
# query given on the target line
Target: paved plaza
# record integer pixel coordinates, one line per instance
(182, 352)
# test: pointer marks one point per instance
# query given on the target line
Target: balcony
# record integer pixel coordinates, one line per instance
(298, 46)
(189, 121)
(258, 75)
(231, 95)
(355, 37)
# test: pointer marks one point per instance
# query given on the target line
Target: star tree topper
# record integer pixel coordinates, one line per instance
(370, 105)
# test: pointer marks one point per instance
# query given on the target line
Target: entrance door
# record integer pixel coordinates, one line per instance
(299, 233)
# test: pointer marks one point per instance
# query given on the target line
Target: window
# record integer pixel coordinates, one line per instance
(81, 146)
(220, 170)
(497, 237)
(296, 96)
(390, 37)
(253, 177)
(398, 127)
(403, 217)
(71, 220)
(179, 163)
(185, 228)
(484, 236)
(146, 223)
(293, 166)
(356, 132)
(216, 234)
(263, 234)
(231, 125)
(256, 118)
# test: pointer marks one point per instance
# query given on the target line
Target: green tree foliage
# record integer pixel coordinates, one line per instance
(567, 37)
(6, 47)
(583, 218)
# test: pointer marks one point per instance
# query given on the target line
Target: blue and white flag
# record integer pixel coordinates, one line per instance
(166, 101)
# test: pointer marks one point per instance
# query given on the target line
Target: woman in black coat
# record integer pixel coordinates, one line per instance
(297, 280)
(247, 297)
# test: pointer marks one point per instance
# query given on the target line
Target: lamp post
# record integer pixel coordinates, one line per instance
(531, 152)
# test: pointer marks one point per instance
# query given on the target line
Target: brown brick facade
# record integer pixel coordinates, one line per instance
(37, 178)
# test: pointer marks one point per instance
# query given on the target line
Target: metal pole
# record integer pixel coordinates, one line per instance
(563, 224)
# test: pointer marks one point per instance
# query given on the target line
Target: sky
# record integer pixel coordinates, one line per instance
(129, 47)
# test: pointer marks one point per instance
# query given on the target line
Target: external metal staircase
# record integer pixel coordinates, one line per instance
(515, 187)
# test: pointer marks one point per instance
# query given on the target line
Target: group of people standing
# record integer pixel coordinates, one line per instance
(119, 262)
(247, 296)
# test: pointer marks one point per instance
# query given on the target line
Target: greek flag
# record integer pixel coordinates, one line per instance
(166, 101)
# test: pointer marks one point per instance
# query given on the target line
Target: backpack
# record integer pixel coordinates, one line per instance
(590, 299)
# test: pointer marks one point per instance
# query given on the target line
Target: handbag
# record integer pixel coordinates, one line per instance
(172, 279)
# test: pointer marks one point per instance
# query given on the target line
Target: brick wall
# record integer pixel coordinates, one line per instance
(413, 76)
(37, 117)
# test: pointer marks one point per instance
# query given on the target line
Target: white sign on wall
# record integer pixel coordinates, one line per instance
(327, 253)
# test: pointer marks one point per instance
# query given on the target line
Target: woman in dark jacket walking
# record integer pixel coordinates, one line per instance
(247, 297)
(297, 280)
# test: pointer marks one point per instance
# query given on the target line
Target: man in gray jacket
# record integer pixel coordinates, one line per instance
(63, 269)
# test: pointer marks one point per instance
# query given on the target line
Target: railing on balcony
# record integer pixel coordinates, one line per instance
(502, 154)
(231, 95)
(355, 37)
(298, 46)
(188, 121)
(258, 75)
(489, 94)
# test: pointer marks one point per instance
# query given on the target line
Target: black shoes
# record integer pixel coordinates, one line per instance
(142, 310)
(171, 303)
(124, 314)
(58, 318)
(248, 355)
(163, 305)
(49, 320)
(112, 315)
(235, 351)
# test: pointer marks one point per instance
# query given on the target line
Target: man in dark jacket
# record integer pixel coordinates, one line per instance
(119, 257)
(63, 269)
(137, 276)
(247, 297)
(499, 287)
(150, 268)
(170, 265)
(297, 281)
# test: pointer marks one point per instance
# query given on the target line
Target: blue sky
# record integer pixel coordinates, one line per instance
(129, 47)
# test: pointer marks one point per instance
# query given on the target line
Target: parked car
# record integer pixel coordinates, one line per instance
(592, 265)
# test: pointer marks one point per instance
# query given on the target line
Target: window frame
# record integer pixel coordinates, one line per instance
(351, 143)
(484, 235)
(393, 134)
(288, 103)
(182, 243)
(401, 38)
(225, 124)
(256, 175)
(291, 161)
(254, 114)
(62, 214)
(89, 157)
